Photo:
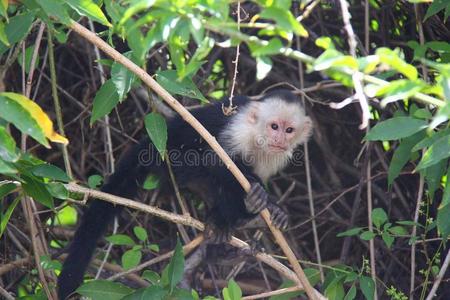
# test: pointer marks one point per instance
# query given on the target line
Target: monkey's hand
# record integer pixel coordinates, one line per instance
(278, 216)
(256, 199)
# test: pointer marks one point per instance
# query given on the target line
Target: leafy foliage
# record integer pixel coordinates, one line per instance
(185, 45)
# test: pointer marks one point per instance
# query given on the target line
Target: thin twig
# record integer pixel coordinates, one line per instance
(356, 76)
(37, 45)
(413, 234)
(56, 102)
(439, 277)
(231, 109)
(308, 174)
(272, 293)
(189, 118)
(373, 272)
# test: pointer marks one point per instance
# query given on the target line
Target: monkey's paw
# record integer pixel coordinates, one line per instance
(216, 235)
(280, 219)
(256, 199)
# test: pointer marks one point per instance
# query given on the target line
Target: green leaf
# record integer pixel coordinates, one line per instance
(7, 168)
(153, 292)
(17, 29)
(433, 176)
(105, 100)
(398, 230)
(263, 67)
(3, 36)
(4, 217)
(402, 155)
(57, 190)
(35, 121)
(50, 264)
(94, 181)
(120, 239)
(335, 290)
(273, 47)
(122, 78)
(131, 259)
(16, 114)
(151, 276)
(393, 59)
(151, 182)
(140, 233)
(379, 217)
(55, 9)
(395, 128)
(351, 294)
(367, 235)
(409, 223)
(51, 172)
(232, 291)
(186, 87)
(37, 190)
(175, 268)
(4, 8)
(350, 232)
(443, 220)
(388, 239)
(6, 188)
(103, 289)
(66, 217)
(157, 131)
(7, 146)
(89, 9)
(367, 287)
(284, 19)
(438, 151)
(135, 7)
(435, 7)
(430, 140)
(400, 89)
(333, 58)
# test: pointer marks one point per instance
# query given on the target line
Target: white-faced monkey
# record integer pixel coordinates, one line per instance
(260, 138)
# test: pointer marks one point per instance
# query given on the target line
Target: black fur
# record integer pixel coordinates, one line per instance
(225, 194)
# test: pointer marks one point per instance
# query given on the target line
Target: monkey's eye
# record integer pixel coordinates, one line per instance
(289, 130)
(274, 126)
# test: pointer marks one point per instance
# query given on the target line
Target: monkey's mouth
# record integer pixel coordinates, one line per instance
(277, 148)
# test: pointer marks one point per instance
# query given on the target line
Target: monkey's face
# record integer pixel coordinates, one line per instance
(280, 134)
(282, 126)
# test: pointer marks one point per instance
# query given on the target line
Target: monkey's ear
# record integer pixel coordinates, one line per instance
(253, 112)
(306, 130)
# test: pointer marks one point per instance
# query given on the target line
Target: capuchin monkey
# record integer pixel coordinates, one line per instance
(260, 137)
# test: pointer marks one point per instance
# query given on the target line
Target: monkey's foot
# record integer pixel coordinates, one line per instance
(279, 218)
(256, 199)
(216, 235)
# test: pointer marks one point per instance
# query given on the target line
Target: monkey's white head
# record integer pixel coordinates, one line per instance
(280, 126)
(268, 131)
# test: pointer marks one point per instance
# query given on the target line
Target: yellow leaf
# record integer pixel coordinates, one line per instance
(39, 115)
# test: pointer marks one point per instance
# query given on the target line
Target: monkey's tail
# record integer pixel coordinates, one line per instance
(124, 182)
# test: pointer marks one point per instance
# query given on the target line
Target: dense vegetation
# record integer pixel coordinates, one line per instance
(369, 200)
